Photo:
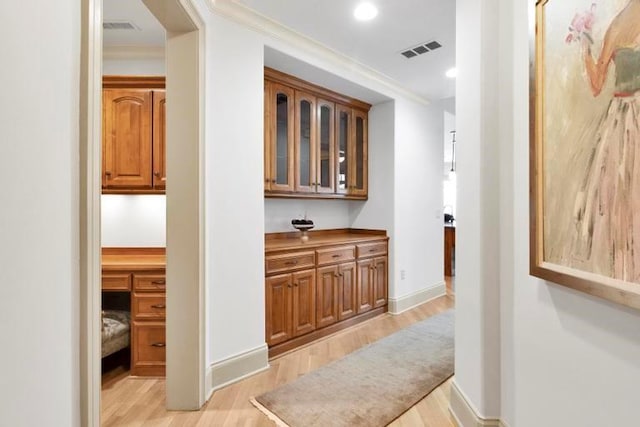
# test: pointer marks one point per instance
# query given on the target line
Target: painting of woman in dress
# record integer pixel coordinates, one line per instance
(592, 138)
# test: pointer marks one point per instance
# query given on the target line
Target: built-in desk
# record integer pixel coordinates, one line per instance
(449, 248)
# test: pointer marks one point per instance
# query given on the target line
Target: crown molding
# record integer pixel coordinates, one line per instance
(133, 52)
(249, 18)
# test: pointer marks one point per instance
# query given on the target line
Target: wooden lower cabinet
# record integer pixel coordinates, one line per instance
(348, 284)
(290, 305)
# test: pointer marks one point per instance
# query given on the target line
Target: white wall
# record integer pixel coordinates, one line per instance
(325, 214)
(134, 66)
(133, 221)
(565, 358)
(570, 359)
(39, 270)
(418, 223)
(234, 190)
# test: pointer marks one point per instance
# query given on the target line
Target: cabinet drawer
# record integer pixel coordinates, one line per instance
(332, 255)
(291, 261)
(149, 306)
(116, 282)
(372, 249)
(149, 282)
(149, 343)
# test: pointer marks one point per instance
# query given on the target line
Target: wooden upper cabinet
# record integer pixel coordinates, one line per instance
(159, 139)
(279, 137)
(305, 143)
(126, 155)
(133, 134)
(315, 140)
(360, 155)
(325, 147)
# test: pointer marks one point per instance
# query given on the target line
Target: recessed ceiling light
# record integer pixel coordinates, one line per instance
(452, 73)
(365, 12)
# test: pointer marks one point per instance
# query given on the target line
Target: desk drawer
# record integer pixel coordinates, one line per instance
(290, 261)
(333, 255)
(149, 343)
(116, 282)
(372, 249)
(149, 282)
(147, 306)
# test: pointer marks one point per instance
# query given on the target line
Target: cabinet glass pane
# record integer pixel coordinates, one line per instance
(343, 152)
(282, 142)
(359, 152)
(325, 145)
(305, 143)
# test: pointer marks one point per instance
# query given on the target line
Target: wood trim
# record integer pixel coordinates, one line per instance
(289, 80)
(133, 82)
(295, 343)
(326, 233)
(132, 191)
(318, 196)
(133, 251)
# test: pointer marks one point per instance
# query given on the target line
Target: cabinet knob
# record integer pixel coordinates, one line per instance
(156, 174)
(107, 173)
(158, 344)
(295, 284)
(289, 286)
(273, 181)
(340, 274)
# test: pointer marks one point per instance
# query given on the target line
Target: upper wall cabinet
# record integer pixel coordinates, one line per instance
(315, 141)
(133, 142)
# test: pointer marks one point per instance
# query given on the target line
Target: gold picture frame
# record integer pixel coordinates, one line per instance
(584, 115)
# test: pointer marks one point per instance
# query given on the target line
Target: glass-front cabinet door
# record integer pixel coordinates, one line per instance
(360, 154)
(343, 148)
(325, 153)
(280, 126)
(305, 137)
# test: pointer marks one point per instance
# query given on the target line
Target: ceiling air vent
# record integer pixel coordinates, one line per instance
(119, 25)
(421, 48)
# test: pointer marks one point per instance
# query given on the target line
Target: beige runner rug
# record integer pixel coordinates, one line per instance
(371, 386)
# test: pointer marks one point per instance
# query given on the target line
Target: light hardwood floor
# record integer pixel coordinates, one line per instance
(140, 402)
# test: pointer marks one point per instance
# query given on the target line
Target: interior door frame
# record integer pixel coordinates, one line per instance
(186, 329)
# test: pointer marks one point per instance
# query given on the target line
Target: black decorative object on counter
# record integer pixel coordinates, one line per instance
(304, 225)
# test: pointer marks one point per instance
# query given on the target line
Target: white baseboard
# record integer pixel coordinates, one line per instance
(235, 368)
(465, 414)
(407, 302)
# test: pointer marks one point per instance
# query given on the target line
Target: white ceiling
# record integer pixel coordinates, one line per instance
(150, 32)
(400, 24)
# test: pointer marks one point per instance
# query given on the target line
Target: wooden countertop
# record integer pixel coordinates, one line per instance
(274, 242)
(133, 259)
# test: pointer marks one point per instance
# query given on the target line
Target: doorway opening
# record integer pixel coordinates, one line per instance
(183, 284)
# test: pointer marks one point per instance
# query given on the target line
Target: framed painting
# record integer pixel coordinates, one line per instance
(585, 147)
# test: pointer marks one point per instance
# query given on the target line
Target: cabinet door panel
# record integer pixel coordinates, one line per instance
(380, 282)
(159, 139)
(126, 156)
(325, 152)
(304, 298)
(278, 306)
(282, 138)
(327, 296)
(365, 285)
(360, 160)
(343, 148)
(347, 291)
(305, 143)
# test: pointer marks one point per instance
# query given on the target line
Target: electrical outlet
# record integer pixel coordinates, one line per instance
(403, 274)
